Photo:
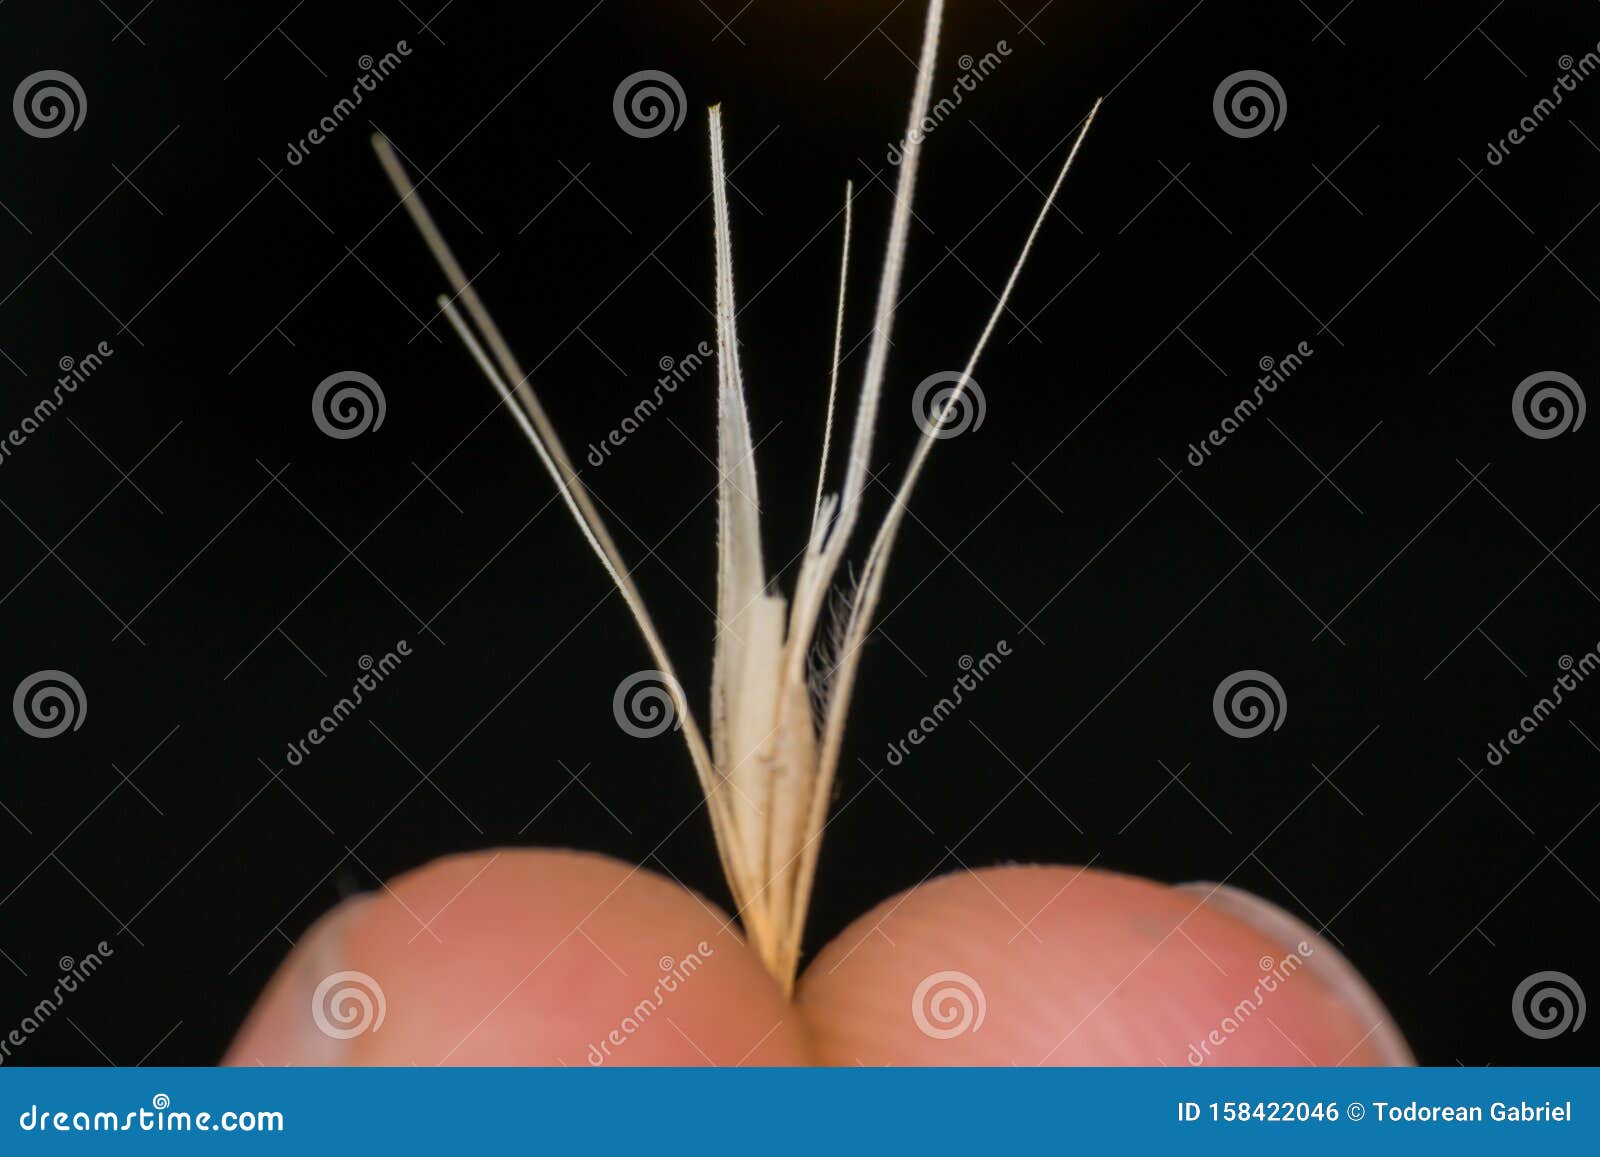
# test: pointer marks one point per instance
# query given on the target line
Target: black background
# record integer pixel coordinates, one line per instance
(1452, 556)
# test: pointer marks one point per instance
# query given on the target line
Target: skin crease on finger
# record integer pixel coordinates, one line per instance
(538, 957)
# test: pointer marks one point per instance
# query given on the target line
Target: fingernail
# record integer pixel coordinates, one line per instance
(287, 1026)
(1326, 962)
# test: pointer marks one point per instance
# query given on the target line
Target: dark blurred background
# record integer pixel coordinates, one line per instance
(1382, 537)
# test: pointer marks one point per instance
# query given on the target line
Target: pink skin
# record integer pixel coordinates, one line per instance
(537, 957)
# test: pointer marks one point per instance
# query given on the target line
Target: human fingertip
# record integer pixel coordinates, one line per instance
(1384, 1044)
(523, 956)
(1059, 965)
